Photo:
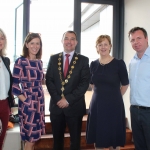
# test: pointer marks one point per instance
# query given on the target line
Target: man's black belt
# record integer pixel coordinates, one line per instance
(140, 107)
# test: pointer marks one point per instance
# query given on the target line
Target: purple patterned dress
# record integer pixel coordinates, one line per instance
(27, 80)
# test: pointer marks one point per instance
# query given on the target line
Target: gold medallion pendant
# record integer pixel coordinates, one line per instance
(62, 83)
(62, 89)
(60, 72)
(66, 81)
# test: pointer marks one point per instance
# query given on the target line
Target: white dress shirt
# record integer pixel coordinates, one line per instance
(4, 81)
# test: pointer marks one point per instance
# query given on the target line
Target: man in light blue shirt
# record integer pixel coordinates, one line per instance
(139, 77)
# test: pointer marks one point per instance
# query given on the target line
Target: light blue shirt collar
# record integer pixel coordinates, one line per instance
(147, 53)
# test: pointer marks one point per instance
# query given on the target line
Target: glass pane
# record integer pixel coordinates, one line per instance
(11, 23)
(51, 18)
(96, 20)
(18, 30)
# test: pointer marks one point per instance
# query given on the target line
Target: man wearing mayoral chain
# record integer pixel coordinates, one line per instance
(67, 80)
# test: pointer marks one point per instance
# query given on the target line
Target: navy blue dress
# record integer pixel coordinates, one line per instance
(106, 118)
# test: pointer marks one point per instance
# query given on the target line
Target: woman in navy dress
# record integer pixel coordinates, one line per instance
(106, 118)
(27, 85)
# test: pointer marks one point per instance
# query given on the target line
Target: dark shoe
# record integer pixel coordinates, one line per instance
(14, 118)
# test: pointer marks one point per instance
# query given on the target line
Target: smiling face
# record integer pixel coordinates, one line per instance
(33, 47)
(69, 42)
(139, 42)
(104, 47)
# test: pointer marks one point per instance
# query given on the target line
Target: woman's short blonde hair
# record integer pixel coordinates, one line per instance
(103, 37)
(3, 51)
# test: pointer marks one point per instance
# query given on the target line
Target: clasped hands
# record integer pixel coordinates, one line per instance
(62, 103)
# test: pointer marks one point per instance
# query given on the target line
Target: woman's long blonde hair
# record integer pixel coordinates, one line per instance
(3, 51)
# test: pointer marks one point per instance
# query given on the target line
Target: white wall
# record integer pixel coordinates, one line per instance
(136, 14)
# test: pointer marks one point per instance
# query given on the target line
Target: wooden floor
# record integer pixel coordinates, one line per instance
(46, 141)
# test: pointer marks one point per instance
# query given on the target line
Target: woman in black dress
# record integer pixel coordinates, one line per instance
(109, 80)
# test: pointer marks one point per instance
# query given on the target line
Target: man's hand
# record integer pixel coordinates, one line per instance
(63, 103)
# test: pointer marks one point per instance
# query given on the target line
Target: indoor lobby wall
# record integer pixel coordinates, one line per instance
(136, 14)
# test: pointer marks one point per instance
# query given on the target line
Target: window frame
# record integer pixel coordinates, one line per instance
(118, 23)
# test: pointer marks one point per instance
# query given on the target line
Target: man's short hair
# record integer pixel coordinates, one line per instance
(70, 32)
(136, 29)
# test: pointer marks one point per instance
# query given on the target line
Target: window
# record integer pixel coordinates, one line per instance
(51, 18)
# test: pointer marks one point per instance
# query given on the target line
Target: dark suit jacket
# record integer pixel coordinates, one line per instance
(6, 61)
(74, 89)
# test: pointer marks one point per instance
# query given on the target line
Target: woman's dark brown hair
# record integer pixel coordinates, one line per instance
(29, 37)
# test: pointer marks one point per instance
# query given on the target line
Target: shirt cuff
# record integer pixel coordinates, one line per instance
(67, 102)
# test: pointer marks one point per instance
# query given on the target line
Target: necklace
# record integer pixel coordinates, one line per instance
(64, 82)
(106, 61)
(102, 64)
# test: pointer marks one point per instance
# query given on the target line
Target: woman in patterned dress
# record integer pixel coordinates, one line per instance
(27, 85)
